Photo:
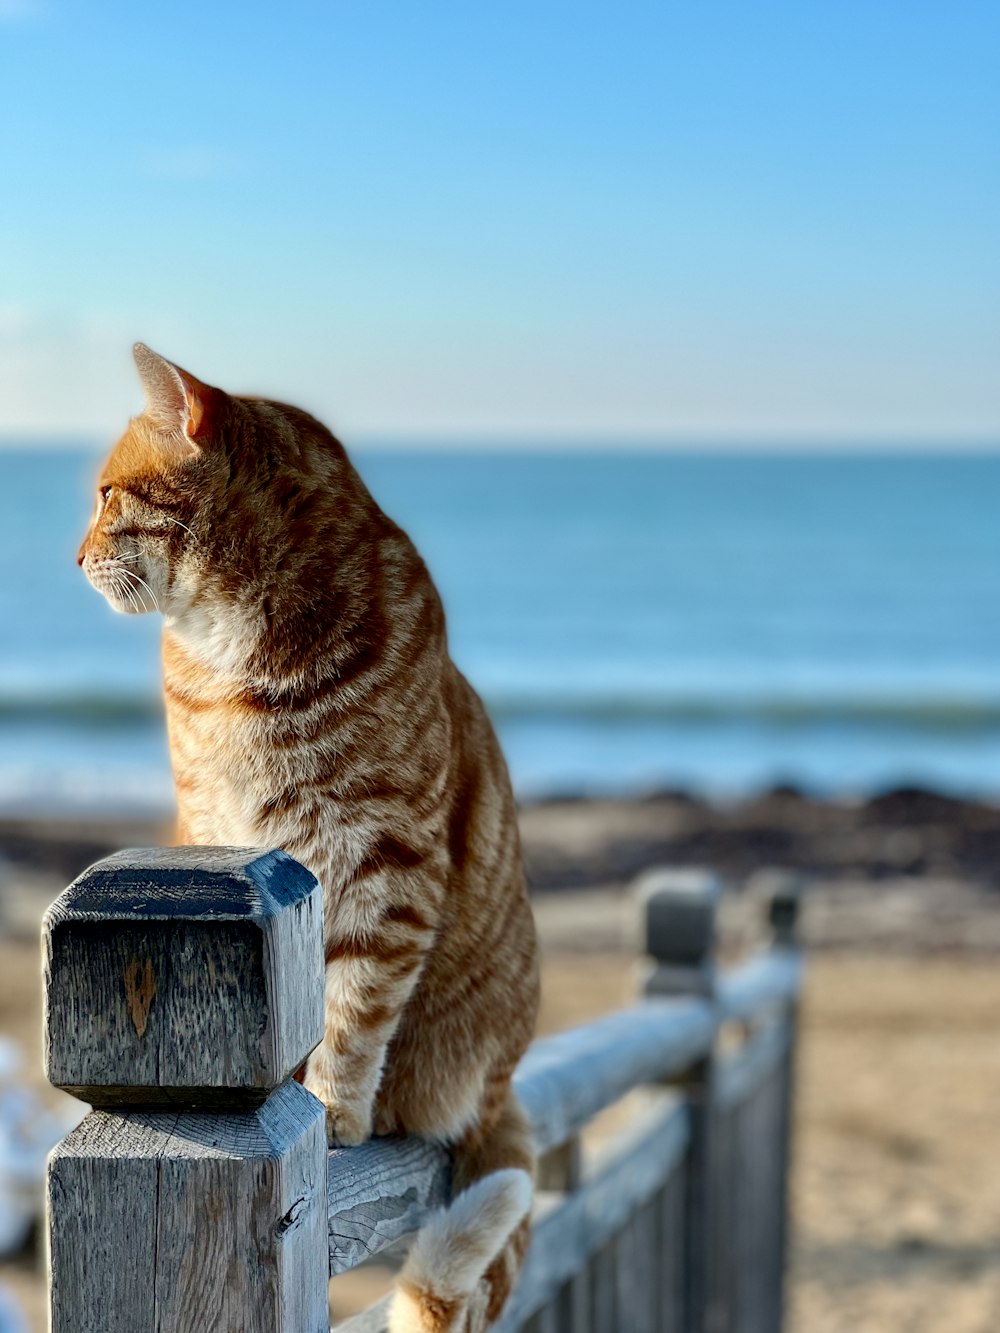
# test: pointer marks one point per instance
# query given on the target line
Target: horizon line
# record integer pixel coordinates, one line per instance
(456, 441)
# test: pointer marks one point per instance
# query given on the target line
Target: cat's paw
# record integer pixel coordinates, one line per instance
(347, 1123)
(347, 1126)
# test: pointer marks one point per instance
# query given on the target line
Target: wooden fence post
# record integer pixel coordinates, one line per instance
(561, 1170)
(183, 988)
(680, 912)
(783, 913)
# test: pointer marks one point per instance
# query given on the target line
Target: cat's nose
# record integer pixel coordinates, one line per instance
(80, 555)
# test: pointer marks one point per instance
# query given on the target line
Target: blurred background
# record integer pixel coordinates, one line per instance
(671, 335)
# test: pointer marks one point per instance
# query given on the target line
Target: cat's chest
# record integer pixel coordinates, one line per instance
(239, 783)
(248, 775)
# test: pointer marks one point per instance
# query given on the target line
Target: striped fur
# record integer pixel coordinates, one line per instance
(312, 705)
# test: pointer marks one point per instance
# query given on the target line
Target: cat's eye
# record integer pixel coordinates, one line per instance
(106, 493)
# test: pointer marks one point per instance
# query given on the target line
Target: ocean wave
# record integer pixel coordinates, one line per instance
(933, 711)
(930, 712)
(85, 793)
(86, 708)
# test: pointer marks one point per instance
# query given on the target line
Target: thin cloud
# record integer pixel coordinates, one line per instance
(65, 376)
(21, 11)
(16, 321)
(191, 162)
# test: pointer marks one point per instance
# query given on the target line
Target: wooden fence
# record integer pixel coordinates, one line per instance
(184, 988)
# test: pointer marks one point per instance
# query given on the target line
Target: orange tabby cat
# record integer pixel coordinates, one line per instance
(312, 705)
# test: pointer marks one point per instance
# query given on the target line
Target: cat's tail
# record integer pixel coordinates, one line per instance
(466, 1258)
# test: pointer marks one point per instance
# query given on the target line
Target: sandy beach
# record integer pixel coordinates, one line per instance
(896, 1187)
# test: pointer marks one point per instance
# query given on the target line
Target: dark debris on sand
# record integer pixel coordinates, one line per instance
(905, 832)
(576, 843)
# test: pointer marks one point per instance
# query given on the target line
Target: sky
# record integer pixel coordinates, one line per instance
(634, 221)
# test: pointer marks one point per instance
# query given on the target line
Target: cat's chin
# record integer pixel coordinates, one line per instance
(124, 610)
(136, 604)
(124, 591)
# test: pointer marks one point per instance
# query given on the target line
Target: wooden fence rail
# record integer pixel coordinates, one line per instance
(184, 988)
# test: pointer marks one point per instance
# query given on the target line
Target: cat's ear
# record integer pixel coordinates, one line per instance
(179, 402)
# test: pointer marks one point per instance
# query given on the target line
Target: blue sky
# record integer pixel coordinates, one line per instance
(643, 221)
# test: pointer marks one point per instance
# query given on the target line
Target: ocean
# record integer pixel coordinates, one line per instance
(714, 622)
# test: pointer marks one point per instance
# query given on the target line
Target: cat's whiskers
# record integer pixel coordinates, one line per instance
(171, 519)
(122, 588)
(133, 575)
(120, 577)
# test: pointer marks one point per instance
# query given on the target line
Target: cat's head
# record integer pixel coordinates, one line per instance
(204, 491)
(142, 540)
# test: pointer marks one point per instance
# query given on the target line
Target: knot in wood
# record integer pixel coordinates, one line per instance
(140, 991)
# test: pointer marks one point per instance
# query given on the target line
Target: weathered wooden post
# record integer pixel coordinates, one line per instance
(680, 909)
(783, 914)
(183, 988)
(561, 1171)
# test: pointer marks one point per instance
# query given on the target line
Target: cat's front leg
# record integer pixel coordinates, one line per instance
(348, 1108)
(369, 978)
